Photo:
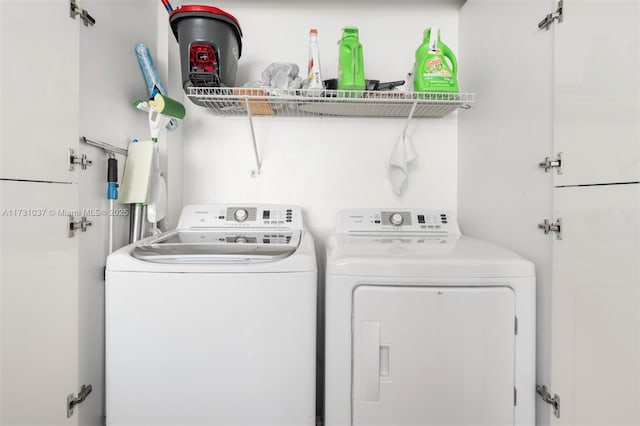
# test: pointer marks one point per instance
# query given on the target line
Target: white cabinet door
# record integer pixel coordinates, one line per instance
(511, 126)
(110, 80)
(39, 83)
(433, 356)
(597, 92)
(38, 304)
(596, 304)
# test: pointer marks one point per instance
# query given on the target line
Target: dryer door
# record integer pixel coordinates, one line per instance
(433, 355)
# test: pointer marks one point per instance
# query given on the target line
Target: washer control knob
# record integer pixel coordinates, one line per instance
(396, 219)
(241, 240)
(241, 215)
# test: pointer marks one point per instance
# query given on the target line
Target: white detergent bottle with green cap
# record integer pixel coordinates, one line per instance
(436, 67)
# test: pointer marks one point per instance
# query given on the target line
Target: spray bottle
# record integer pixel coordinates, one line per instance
(314, 80)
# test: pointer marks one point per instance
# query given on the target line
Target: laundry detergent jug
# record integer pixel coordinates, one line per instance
(436, 67)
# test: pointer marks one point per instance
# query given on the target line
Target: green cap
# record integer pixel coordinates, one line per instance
(352, 31)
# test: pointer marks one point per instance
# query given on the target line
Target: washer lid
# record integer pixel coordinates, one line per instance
(208, 246)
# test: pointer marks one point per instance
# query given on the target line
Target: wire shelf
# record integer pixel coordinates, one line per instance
(235, 101)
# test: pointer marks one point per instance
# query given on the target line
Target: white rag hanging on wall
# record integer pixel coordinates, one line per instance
(403, 153)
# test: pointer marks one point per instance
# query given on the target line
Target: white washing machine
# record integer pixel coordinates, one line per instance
(214, 323)
(425, 326)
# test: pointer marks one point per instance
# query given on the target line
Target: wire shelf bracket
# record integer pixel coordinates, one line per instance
(258, 170)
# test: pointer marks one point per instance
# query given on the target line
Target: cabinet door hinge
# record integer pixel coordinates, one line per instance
(73, 226)
(549, 164)
(75, 10)
(554, 400)
(549, 227)
(515, 397)
(515, 327)
(80, 160)
(72, 401)
(548, 20)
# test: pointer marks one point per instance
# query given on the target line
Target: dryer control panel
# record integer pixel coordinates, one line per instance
(396, 221)
(240, 216)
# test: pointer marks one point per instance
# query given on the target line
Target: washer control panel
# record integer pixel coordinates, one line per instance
(240, 216)
(410, 221)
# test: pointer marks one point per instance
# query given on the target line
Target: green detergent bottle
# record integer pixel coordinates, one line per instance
(350, 61)
(436, 66)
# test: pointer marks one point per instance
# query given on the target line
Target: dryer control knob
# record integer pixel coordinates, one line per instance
(396, 219)
(241, 240)
(241, 215)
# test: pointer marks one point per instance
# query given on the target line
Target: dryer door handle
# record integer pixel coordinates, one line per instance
(367, 348)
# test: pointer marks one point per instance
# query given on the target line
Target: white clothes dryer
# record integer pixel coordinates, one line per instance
(214, 323)
(425, 326)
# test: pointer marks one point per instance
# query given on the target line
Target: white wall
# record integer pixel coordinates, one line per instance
(170, 143)
(503, 194)
(324, 164)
